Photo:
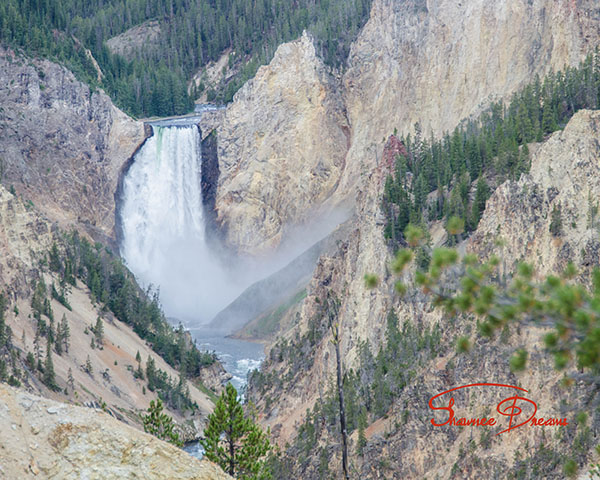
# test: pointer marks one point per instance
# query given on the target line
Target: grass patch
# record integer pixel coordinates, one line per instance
(268, 325)
(204, 389)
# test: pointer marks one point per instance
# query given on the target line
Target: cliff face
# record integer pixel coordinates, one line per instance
(25, 240)
(61, 145)
(295, 136)
(404, 444)
(282, 146)
(439, 62)
(41, 438)
(564, 176)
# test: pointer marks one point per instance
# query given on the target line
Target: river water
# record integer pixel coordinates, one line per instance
(238, 357)
(164, 241)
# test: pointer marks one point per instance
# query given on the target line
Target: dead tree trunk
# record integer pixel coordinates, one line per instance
(333, 312)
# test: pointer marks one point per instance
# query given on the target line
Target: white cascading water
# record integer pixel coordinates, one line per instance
(163, 228)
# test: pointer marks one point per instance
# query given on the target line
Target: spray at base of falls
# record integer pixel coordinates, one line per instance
(163, 227)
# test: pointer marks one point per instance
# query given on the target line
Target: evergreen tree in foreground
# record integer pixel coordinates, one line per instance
(568, 308)
(234, 441)
(160, 424)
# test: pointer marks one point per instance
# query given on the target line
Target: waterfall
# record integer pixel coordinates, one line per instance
(163, 230)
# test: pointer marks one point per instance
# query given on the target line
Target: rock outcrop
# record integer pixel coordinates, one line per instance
(295, 136)
(282, 148)
(404, 444)
(564, 175)
(62, 146)
(144, 37)
(21, 232)
(40, 438)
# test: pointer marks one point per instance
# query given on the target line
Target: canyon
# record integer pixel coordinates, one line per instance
(303, 145)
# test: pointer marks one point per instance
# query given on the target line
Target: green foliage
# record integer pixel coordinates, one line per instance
(87, 368)
(463, 345)
(154, 81)
(61, 296)
(30, 361)
(371, 281)
(5, 333)
(518, 361)
(8, 353)
(362, 425)
(581, 418)
(175, 394)
(572, 310)
(160, 424)
(40, 304)
(63, 335)
(570, 468)
(413, 235)
(556, 223)
(234, 441)
(455, 226)
(494, 145)
(114, 286)
(49, 377)
(98, 330)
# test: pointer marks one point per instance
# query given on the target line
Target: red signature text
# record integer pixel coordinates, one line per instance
(512, 407)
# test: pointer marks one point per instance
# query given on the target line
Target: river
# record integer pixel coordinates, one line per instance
(238, 357)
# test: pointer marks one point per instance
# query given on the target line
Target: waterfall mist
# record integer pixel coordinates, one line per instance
(162, 221)
(164, 230)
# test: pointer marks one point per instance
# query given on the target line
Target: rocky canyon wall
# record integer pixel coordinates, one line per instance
(62, 146)
(439, 62)
(403, 444)
(298, 136)
(26, 237)
(282, 147)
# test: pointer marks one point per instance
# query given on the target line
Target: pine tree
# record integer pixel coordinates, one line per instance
(88, 367)
(4, 329)
(49, 377)
(160, 424)
(556, 221)
(482, 193)
(64, 333)
(139, 373)
(30, 361)
(549, 123)
(234, 441)
(99, 331)
(38, 298)
(54, 262)
(362, 425)
(151, 373)
(36, 346)
(71, 380)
